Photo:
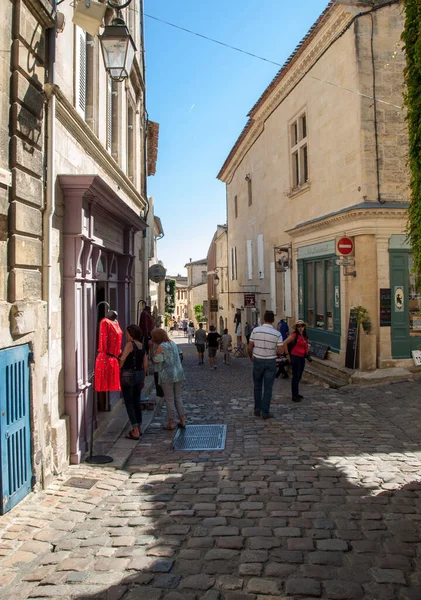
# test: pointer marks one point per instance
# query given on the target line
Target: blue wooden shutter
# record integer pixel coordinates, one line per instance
(15, 432)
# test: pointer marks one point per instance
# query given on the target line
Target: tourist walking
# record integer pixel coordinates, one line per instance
(133, 368)
(265, 343)
(190, 333)
(212, 341)
(247, 331)
(168, 357)
(296, 347)
(226, 345)
(200, 341)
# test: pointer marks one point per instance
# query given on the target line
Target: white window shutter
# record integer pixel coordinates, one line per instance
(287, 293)
(260, 257)
(109, 113)
(80, 70)
(249, 259)
(273, 287)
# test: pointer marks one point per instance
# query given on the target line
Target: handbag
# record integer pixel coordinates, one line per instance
(131, 377)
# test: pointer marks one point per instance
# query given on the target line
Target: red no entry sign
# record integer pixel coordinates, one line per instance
(345, 246)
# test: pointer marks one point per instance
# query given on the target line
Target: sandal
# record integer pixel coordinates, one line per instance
(169, 427)
(181, 425)
(131, 436)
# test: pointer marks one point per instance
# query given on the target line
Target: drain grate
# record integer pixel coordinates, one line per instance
(81, 482)
(200, 437)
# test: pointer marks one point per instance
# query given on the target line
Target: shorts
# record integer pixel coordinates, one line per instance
(212, 352)
(200, 348)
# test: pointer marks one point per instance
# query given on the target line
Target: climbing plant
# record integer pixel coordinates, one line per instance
(412, 39)
(169, 295)
(198, 313)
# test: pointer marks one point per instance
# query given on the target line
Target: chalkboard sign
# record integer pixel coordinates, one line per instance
(319, 350)
(351, 342)
(385, 307)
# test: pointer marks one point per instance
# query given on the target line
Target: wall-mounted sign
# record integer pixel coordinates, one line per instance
(213, 305)
(156, 273)
(399, 299)
(345, 246)
(385, 307)
(249, 300)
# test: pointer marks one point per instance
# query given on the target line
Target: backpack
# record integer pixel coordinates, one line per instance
(292, 344)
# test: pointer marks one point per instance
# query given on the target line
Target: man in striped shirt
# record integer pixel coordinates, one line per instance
(265, 343)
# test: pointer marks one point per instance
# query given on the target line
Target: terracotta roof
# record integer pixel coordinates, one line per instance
(152, 138)
(278, 77)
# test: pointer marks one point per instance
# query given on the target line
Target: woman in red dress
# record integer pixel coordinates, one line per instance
(107, 371)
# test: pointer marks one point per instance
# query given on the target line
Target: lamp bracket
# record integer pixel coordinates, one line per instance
(118, 5)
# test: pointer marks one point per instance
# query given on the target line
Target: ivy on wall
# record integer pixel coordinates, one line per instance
(412, 40)
(170, 295)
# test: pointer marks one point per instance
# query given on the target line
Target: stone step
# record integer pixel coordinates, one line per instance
(332, 369)
(315, 375)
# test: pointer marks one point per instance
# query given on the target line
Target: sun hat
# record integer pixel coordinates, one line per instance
(300, 322)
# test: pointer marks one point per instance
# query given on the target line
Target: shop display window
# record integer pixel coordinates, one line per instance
(414, 300)
(319, 294)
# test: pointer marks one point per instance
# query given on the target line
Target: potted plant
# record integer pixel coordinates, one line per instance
(363, 318)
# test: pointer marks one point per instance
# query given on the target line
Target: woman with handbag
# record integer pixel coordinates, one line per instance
(296, 348)
(168, 357)
(133, 367)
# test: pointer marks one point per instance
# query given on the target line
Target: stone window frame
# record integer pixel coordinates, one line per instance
(298, 152)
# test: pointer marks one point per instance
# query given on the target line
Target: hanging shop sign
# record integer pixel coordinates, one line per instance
(249, 300)
(345, 246)
(213, 305)
(156, 273)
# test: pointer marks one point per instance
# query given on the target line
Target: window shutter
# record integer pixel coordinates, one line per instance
(109, 113)
(80, 70)
(249, 260)
(273, 287)
(260, 257)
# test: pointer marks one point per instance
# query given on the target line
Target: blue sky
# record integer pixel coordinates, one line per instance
(200, 93)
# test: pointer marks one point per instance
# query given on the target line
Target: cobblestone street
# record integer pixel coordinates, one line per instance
(324, 501)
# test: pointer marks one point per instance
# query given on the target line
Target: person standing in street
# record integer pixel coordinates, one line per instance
(296, 348)
(146, 324)
(226, 344)
(190, 333)
(265, 343)
(212, 341)
(200, 341)
(247, 331)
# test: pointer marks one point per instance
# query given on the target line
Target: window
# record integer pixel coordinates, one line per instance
(299, 152)
(80, 71)
(234, 263)
(235, 207)
(204, 276)
(130, 143)
(249, 190)
(249, 248)
(414, 298)
(260, 257)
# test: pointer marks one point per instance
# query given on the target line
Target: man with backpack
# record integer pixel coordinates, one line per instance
(265, 343)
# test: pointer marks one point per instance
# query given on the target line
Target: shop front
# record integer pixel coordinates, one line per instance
(405, 299)
(319, 293)
(98, 255)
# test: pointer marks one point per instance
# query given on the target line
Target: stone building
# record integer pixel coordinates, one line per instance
(180, 311)
(324, 156)
(73, 209)
(217, 280)
(197, 289)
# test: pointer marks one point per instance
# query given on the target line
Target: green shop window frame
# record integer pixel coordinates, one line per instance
(319, 297)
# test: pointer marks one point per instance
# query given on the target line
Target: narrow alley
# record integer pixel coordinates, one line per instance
(321, 502)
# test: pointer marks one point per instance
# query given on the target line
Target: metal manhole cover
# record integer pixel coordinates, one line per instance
(81, 482)
(200, 437)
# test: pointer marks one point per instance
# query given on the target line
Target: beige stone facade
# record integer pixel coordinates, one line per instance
(323, 155)
(70, 138)
(197, 289)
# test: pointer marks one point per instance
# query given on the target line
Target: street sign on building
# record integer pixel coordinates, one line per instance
(213, 305)
(249, 300)
(156, 273)
(345, 246)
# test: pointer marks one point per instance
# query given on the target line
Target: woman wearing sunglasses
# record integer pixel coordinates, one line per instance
(296, 349)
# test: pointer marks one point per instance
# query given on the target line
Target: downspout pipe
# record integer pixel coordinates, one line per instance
(376, 126)
(49, 203)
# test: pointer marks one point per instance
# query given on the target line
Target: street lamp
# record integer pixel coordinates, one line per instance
(118, 49)
(117, 45)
